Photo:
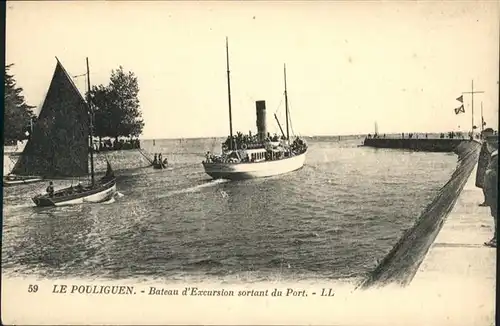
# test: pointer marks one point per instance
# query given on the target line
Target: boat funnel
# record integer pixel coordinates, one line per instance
(261, 120)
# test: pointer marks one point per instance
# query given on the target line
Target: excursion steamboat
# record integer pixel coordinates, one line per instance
(255, 156)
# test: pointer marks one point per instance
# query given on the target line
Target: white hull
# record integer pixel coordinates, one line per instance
(238, 171)
(95, 198)
(101, 194)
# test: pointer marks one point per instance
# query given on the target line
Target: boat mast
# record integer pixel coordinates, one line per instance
(91, 127)
(286, 106)
(229, 97)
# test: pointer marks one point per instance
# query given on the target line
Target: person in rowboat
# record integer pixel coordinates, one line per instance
(79, 187)
(50, 189)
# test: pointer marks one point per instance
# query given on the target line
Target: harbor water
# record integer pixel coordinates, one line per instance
(333, 219)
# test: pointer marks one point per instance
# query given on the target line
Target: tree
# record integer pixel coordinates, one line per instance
(18, 115)
(102, 110)
(117, 108)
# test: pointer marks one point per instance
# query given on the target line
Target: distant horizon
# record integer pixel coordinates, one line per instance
(333, 135)
(308, 136)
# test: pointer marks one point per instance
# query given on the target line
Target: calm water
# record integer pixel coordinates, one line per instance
(335, 218)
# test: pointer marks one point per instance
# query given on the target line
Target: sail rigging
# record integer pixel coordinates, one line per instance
(286, 107)
(91, 123)
(58, 146)
(288, 120)
(229, 96)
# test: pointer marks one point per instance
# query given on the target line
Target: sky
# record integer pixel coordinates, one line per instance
(349, 64)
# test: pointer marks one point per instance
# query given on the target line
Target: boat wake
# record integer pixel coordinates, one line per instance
(196, 188)
(113, 199)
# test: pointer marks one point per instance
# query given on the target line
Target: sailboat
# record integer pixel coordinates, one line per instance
(247, 157)
(60, 145)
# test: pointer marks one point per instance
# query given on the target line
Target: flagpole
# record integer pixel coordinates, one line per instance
(472, 92)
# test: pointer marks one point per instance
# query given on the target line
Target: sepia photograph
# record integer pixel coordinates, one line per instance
(258, 162)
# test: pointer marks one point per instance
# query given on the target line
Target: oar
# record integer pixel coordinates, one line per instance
(147, 158)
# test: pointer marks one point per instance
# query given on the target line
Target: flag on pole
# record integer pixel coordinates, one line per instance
(460, 98)
(460, 109)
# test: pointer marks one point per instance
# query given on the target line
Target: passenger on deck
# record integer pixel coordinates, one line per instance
(207, 156)
(159, 159)
(155, 160)
(482, 164)
(491, 184)
(50, 189)
(165, 162)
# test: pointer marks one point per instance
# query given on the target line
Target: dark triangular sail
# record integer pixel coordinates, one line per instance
(59, 145)
(110, 175)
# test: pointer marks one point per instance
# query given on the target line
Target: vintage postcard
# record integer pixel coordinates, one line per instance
(257, 163)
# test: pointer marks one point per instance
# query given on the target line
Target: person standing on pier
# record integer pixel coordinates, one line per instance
(482, 164)
(491, 184)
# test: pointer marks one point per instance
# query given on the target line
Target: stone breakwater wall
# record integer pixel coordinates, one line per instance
(401, 264)
(416, 144)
